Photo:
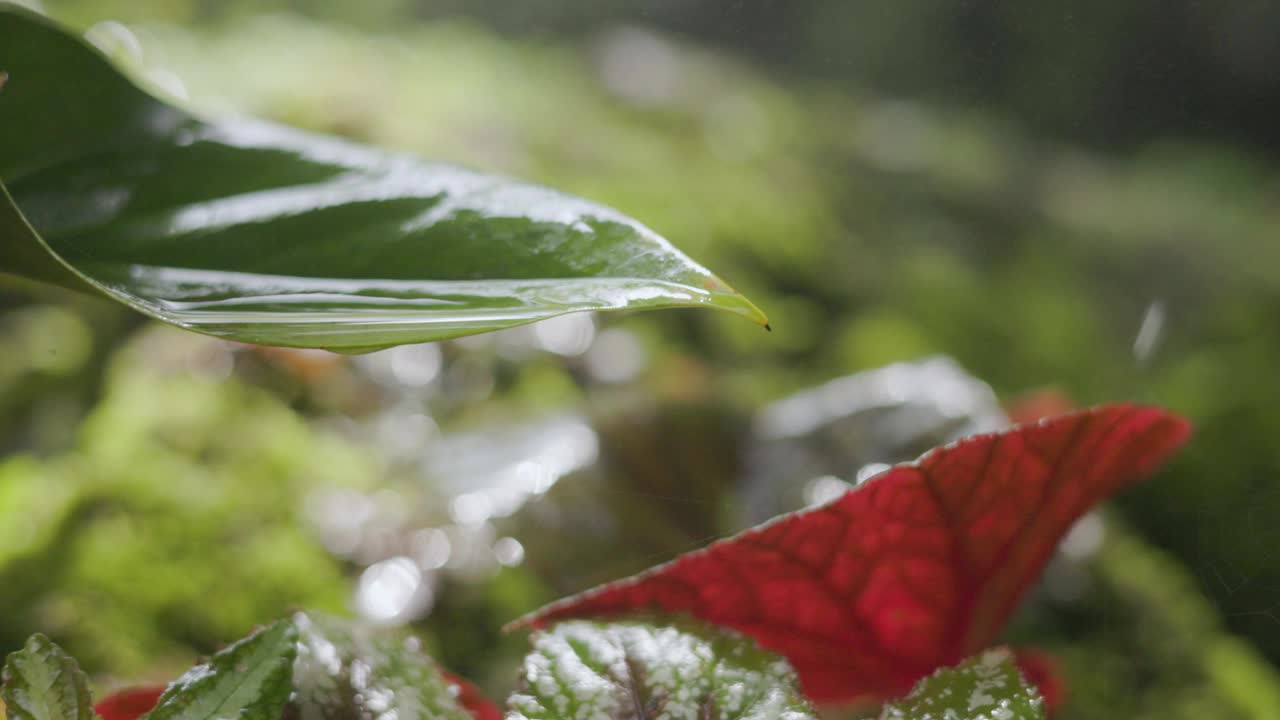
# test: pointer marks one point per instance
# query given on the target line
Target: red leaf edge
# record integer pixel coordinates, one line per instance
(1079, 459)
(1043, 671)
(472, 699)
(130, 703)
(1039, 404)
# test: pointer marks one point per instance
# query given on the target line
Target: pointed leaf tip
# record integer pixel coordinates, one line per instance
(251, 679)
(268, 235)
(343, 671)
(42, 682)
(916, 569)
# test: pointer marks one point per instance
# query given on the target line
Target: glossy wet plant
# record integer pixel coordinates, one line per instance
(892, 593)
(919, 568)
(261, 233)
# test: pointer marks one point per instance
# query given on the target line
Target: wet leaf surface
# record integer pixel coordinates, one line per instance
(582, 670)
(266, 234)
(918, 568)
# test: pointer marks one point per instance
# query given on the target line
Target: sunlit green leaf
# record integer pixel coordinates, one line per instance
(42, 682)
(986, 687)
(249, 680)
(266, 234)
(592, 671)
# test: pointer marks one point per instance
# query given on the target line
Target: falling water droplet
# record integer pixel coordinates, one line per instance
(1149, 332)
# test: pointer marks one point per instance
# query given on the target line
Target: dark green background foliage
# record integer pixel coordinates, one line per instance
(999, 182)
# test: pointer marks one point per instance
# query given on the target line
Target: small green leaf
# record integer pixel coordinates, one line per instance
(985, 687)
(265, 234)
(581, 670)
(249, 680)
(42, 682)
(350, 671)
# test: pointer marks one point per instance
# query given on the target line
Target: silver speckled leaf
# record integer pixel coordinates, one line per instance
(634, 670)
(42, 682)
(350, 671)
(985, 687)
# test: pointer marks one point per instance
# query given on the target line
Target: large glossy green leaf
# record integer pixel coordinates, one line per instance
(580, 670)
(985, 687)
(267, 234)
(42, 682)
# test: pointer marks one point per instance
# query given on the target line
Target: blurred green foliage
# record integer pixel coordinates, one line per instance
(871, 229)
(168, 522)
(1098, 72)
(1141, 641)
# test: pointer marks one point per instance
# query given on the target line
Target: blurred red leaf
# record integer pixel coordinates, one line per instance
(918, 568)
(473, 700)
(130, 703)
(1041, 669)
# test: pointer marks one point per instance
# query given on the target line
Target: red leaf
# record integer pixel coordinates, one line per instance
(918, 568)
(472, 699)
(130, 703)
(1041, 669)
